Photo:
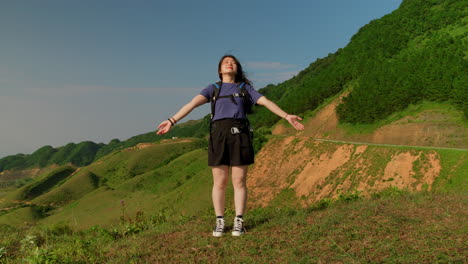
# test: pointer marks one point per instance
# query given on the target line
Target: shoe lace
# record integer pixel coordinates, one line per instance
(238, 224)
(219, 225)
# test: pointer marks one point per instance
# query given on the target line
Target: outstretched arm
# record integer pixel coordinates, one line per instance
(165, 126)
(292, 119)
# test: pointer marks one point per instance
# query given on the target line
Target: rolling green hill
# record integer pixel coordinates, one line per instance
(86, 152)
(40, 186)
(143, 167)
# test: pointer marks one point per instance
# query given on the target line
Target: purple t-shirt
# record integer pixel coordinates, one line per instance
(225, 108)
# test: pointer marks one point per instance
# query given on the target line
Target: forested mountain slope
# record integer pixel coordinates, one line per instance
(418, 52)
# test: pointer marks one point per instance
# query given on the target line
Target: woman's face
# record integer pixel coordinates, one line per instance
(228, 66)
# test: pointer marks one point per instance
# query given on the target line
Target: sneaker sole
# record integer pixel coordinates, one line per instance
(217, 234)
(237, 233)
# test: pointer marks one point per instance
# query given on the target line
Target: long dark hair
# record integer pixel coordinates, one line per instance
(240, 76)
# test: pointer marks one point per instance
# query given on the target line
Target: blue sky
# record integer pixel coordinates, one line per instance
(72, 71)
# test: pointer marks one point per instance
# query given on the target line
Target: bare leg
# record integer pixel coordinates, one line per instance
(220, 179)
(239, 174)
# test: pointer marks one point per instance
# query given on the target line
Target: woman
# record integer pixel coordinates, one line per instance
(230, 143)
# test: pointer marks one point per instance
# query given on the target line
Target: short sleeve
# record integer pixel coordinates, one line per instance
(253, 93)
(207, 92)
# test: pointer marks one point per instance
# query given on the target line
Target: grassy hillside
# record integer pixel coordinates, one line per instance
(166, 208)
(169, 189)
(134, 174)
(392, 226)
(40, 186)
(79, 184)
(18, 178)
(149, 179)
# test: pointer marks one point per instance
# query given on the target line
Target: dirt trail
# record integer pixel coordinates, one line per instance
(430, 128)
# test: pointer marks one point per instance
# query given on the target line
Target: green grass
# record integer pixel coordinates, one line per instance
(393, 227)
(453, 176)
(21, 217)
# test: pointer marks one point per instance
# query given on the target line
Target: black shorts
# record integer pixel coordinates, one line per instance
(230, 143)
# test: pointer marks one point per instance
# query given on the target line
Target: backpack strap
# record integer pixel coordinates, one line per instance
(247, 99)
(215, 96)
(242, 91)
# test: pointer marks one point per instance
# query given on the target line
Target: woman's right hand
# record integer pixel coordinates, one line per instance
(294, 121)
(164, 127)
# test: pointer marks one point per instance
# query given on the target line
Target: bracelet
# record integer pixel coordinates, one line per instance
(172, 123)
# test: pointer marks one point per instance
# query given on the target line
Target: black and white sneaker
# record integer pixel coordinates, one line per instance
(219, 228)
(238, 228)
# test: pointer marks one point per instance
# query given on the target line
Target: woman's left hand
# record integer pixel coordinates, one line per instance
(293, 120)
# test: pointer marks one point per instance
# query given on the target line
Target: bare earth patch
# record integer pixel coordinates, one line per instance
(176, 140)
(164, 141)
(318, 170)
(401, 168)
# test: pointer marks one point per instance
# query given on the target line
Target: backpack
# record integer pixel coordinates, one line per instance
(243, 93)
